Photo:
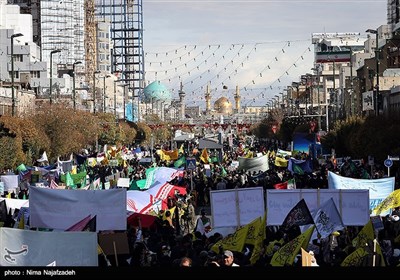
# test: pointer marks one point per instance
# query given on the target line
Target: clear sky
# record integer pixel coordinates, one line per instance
(259, 46)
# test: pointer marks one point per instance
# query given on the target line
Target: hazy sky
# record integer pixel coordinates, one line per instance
(259, 46)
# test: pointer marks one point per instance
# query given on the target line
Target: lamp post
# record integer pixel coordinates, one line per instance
(12, 72)
(373, 31)
(94, 90)
(73, 83)
(51, 72)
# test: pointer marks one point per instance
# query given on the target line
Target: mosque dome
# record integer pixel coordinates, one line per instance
(223, 106)
(156, 92)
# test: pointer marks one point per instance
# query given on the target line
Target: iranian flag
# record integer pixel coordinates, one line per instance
(340, 56)
(288, 185)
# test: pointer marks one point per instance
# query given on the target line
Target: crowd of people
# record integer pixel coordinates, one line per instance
(176, 239)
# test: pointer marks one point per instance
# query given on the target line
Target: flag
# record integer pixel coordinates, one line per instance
(43, 158)
(327, 219)
(21, 224)
(53, 185)
(356, 258)
(21, 168)
(91, 225)
(259, 241)
(233, 242)
(281, 162)
(181, 161)
(252, 232)
(299, 215)
(223, 172)
(204, 156)
(168, 155)
(365, 234)
(392, 201)
(79, 226)
(290, 185)
(181, 150)
(286, 254)
(3, 211)
(69, 182)
(96, 184)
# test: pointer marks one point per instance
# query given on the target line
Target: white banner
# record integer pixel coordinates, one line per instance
(37, 248)
(254, 164)
(60, 209)
(236, 207)
(13, 203)
(10, 182)
(353, 205)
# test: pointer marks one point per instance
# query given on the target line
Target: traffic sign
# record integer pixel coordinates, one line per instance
(394, 158)
(190, 163)
(388, 162)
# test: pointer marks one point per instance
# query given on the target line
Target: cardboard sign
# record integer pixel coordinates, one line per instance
(114, 243)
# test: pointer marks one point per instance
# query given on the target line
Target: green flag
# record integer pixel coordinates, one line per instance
(69, 182)
(179, 162)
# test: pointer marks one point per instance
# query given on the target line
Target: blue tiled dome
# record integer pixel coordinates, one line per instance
(156, 92)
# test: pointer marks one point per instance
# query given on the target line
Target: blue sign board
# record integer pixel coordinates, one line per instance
(190, 163)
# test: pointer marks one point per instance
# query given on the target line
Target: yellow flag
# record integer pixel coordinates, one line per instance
(366, 234)
(259, 242)
(286, 254)
(204, 156)
(169, 155)
(74, 170)
(281, 162)
(181, 151)
(392, 201)
(252, 233)
(233, 242)
(21, 224)
(355, 259)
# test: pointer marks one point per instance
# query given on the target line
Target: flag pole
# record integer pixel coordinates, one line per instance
(374, 254)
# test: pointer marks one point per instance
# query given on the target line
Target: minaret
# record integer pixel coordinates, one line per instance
(182, 95)
(208, 99)
(237, 100)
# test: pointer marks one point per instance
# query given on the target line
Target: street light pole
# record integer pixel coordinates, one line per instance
(373, 31)
(73, 84)
(12, 72)
(51, 72)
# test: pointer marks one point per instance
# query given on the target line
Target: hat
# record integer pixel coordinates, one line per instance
(228, 253)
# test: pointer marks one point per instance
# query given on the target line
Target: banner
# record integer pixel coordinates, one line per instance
(254, 164)
(353, 205)
(59, 209)
(379, 189)
(38, 248)
(10, 182)
(236, 207)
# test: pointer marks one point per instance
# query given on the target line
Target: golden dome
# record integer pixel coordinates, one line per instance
(223, 106)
